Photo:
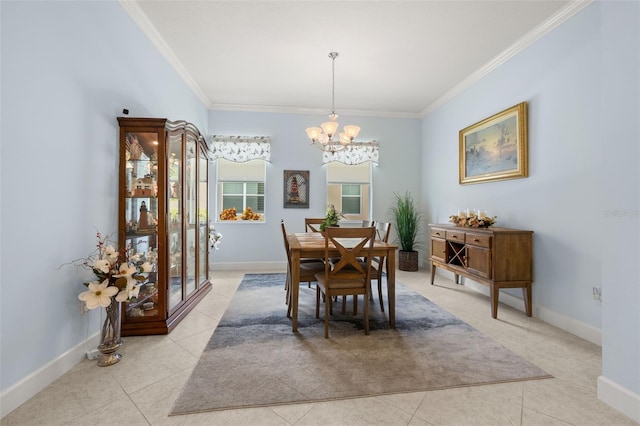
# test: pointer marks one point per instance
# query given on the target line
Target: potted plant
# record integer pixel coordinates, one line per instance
(331, 219)
(407, 219)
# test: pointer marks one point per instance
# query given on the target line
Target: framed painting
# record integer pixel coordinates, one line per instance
(495, 148)
(296, 189)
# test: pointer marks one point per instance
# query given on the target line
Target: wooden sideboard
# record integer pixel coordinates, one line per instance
(496, 257)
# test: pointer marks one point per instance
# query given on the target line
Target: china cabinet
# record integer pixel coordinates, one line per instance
(496, 257)
(163, 219)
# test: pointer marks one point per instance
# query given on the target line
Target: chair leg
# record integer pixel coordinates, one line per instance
(326, 318)
(366, 316)
(344, 304)
(318, 302)
(380, 288)
(355, 304)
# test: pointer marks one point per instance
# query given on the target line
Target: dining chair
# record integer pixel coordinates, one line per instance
(308, 270)
(312, 224)
(383, 230)
(348, 276)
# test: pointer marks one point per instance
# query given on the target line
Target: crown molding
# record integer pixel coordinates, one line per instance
(147, 27)
(525, 41)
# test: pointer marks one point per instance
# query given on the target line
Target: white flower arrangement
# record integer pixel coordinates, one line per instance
(118, 274)
(214, 237)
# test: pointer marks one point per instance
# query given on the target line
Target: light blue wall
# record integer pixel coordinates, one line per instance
(620, 151)
(68, 70)
(581, 85)
(398, 170)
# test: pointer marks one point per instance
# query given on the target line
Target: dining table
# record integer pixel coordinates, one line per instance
(311, 245)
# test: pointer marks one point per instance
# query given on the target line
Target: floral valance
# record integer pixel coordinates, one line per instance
(241, 148)
(354, 153)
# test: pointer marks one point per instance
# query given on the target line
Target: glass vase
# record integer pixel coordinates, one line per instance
(110, 339)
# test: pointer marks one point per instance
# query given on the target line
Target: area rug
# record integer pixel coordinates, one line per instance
(254, 359)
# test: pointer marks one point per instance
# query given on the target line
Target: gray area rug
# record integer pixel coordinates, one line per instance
(254, 359)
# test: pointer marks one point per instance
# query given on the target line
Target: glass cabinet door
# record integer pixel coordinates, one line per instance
(174, 168)
(203, 218)
(141, 215)
(191, 215)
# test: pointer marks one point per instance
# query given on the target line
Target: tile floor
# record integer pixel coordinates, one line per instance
(141, 389)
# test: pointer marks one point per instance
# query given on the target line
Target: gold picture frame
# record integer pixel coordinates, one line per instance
(495, 148)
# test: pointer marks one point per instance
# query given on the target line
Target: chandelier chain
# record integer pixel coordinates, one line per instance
(333, 81)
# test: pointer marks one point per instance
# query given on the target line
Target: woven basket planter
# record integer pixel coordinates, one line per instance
(408, 261)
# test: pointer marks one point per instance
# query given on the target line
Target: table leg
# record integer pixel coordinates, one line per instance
(391, 286)
(526, 291)
(295, 288)
(494, 291)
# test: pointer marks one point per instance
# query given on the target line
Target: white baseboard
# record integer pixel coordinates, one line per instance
(620, 398)
(28, 387)
(570, 325)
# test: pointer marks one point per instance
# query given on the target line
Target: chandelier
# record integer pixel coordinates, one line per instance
(325, 137)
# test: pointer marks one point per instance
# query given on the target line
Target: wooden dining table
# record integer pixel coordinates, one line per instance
(310, 245)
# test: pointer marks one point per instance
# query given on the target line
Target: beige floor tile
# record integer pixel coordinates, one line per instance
(292, 413)
(195, 344)
(357, 411)
(570, 403)
(470, 405)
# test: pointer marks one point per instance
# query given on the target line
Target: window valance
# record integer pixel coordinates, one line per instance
(354, 153)
(241, 148)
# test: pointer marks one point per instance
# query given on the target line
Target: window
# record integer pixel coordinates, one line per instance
(240, 186)
(349, 189)
(351, 198)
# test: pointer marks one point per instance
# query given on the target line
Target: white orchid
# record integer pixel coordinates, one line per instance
(102, 265)
(110, 254)
(127, 271)
(99, 294)
(131, 291)
(214, 237)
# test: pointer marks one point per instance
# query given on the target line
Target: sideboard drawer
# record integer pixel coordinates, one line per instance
(457, 236)
(438, 233)
(480, 240)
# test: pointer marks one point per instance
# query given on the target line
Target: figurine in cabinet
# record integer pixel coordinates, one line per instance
(135, 149)
(145, 221)
(144, 187)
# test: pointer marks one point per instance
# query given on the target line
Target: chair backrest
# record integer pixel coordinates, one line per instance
(286, 244)
(312, 224)
(353, 244)
(383, 230)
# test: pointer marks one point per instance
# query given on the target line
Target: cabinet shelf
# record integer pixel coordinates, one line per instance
(163, 173)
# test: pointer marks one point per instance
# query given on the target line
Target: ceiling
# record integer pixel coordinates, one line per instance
(396, 58)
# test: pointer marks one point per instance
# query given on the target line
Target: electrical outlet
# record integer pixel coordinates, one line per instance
(83, 308)
(597, 294)
(93, 354)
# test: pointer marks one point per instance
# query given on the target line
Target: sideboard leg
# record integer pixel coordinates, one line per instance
(526, 292)
(494, 291)
(433, 272)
